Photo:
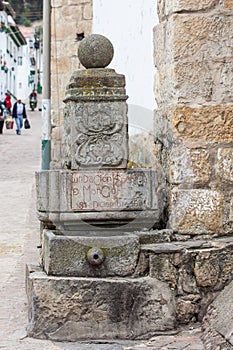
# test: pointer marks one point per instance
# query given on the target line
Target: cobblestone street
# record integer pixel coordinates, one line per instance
(19, 238)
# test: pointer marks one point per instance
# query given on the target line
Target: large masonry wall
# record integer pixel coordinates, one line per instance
(194, 121)
(70, 21)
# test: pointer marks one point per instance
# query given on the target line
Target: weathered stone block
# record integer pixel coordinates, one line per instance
(185, 311)
(226, 80)
(200, 37)
(68, 34)
(197, 82)
(71, 309)
(188, 38)
(201, 82)
(96, 134)
(164, 87)
(228, 4)
(154, 236)
(206, 269)
(162, 268)
(62, 64)
(194, 269)
(163, 45)
(189, 165)
(192, 82)
(224, 164)
(57, 3)
(218, 320)
(231, 210)
(72, 12)
(195, 211)
(201, 124)
(70, 256)
(168, 7)
(162, 127)
(111, 196)
(87, 11)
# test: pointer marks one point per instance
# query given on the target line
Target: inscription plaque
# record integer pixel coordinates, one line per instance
(110, 190)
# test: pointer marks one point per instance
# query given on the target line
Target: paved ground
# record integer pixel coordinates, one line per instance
(19, 238)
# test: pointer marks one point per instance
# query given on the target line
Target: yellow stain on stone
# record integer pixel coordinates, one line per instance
(207, 123)
(228, 4)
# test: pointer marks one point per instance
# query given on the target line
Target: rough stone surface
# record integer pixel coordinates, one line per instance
(191, 37)
(186, 37)
(96, 82)
(228, 4)
(193, 82)
(191, 160)
(185, 310)
(206, 270)
(108, 197)
(85, 308)
(96, 134)
(194, 211)
(224, 164)
(68, 256)
(189, 165)
(190, 66)
(218, 322)
(195, 270)
(199, 124)
(95, 51)
(168, 7)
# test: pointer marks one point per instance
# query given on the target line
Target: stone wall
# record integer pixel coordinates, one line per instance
(194, 122)
(70, 21)
(195, 270)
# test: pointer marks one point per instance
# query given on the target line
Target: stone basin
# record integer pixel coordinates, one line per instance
(90, 200)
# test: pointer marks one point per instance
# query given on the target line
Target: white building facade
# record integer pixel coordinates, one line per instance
(14, 57)
(129, 26)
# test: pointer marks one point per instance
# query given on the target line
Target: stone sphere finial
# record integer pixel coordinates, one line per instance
(95, 51)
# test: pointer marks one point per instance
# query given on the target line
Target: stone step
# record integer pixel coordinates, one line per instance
(76, 308)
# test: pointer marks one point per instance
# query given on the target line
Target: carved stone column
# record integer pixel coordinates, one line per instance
(94, 211)
(95, 187)
(96, 123)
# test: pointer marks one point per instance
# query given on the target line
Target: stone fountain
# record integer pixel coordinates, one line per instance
(93, 211)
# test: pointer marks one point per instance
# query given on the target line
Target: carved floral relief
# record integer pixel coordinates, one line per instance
(100, 134)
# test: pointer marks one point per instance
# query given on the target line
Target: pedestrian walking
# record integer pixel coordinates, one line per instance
(7, 103)
(1, 117)
(19, 113)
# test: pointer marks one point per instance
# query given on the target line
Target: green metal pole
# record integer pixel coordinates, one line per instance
(46, 91)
